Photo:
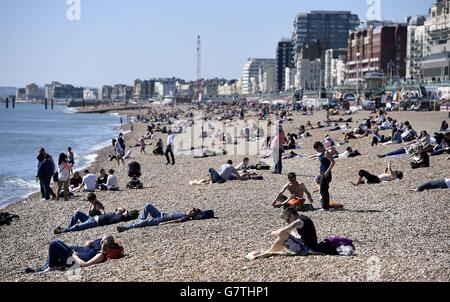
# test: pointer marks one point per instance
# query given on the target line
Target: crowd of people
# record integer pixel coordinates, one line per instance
(298, 237)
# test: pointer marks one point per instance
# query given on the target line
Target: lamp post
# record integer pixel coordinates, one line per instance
(358, 55)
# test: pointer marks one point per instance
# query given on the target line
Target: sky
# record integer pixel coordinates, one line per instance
(117, 41)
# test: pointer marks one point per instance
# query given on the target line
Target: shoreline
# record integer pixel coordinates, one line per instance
(94, 152)
(405, 231)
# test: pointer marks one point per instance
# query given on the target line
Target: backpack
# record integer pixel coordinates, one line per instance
(204, 215)
(336, 241)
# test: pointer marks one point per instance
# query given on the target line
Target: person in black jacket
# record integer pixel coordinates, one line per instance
(45, 172)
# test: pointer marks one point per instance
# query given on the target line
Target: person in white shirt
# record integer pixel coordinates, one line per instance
(112, 184)
(64, 172)
(169, 149)
(89, 183)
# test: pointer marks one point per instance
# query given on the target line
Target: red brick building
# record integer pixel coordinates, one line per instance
(377, 49)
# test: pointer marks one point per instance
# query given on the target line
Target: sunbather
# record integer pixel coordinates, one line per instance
(389, 175)
(435, 184)
(62, 256)
(80, 221)
(151, 216)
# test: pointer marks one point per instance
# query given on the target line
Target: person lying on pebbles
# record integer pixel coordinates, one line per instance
(151, 216)
(80, 221)
(62, 256)
(297, 190)
(434, 184)
(389, 175)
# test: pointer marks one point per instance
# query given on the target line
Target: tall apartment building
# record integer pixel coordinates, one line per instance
(285, 59)
(334, 72)
(107, 92)
(331, 28)
(417, 47)
(377, 49)
(309, 74)
(63, 92)
(251, 72)
(435, 66)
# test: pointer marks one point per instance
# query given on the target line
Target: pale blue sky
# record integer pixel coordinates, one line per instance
(117, 41)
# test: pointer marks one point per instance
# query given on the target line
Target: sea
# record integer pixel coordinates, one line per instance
(28, 127)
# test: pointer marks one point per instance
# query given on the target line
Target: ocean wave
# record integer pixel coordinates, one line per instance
(14, 188)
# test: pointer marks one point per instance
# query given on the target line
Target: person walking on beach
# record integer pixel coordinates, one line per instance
(45, 173)
(70, 157)
(64, 172)
(142, 145)
(121, 142)
(169, 148)
(326, 166)
(277, 150)
(119, 152)
(40, 158)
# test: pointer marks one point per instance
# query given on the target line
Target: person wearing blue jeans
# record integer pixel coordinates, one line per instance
(394, 153)
(94, 252)
(434, 184)
(215, 176)
(80, 221)
(151, 216)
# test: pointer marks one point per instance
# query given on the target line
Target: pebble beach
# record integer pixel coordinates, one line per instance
(399, 235)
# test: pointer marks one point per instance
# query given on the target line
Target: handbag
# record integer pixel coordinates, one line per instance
(56, 175)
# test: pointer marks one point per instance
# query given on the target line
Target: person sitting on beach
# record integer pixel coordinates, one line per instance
(62, 256)
(96, 208)
(297, 225)
(112, 184)
(421, 158)
(151, 216)
(80, 221)
(88, 184)
(75, 181)
(159, 150)
(226, 173)
(435, 184)
(297, 190)
(245, 165)
(101, 179)
(378, 138)
(444, 126)
(395, 139)
(348, 153)
(388, 176)
(409, 134)
(442, 144)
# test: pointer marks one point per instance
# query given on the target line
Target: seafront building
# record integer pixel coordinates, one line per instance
(334, 71)
(285, 59)
(377, 49)
(251, 74)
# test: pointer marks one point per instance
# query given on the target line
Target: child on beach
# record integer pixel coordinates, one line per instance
(142, 145)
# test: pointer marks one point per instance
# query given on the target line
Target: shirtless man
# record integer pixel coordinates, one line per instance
(389, 175)
(297, 190)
